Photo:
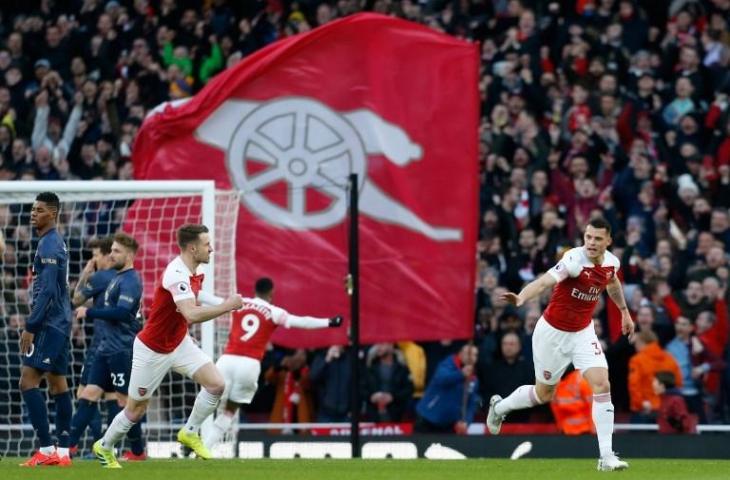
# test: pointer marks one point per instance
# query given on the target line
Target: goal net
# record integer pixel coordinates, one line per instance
(149, 211)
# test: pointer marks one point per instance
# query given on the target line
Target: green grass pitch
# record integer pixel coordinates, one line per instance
(477, 469)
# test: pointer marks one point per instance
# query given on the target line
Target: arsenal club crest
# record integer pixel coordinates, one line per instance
(547, 375)
(142, 391)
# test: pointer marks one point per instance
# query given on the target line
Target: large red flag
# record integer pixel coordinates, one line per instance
(391, 100)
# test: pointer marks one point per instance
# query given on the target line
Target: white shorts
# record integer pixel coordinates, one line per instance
(241, 375)
(149, 367)
(553, 350)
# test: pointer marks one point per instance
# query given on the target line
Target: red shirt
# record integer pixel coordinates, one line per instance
(252, 327)
(580, 285)
(166, 327)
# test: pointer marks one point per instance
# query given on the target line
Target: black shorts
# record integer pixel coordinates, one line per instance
(86, 368)
(49, 352)
(111, 372)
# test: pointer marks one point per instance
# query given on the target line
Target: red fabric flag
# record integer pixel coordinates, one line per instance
(391, 100)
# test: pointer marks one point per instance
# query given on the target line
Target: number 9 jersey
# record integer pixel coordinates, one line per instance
(252, 327)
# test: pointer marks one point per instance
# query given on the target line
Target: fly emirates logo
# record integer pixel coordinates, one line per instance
(592, 296)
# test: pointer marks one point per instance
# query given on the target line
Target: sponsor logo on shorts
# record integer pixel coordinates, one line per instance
(547, 375)
(142, 391)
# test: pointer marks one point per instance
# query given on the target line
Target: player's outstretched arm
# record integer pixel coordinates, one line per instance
(312, 322)
(197, 313)
(616, 292)
(531, 290)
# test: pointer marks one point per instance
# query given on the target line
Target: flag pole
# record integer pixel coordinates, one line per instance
(354, 292)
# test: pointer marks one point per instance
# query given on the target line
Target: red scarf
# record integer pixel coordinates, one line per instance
(292, 386)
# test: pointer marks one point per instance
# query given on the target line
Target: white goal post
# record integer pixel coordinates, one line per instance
(150, 211)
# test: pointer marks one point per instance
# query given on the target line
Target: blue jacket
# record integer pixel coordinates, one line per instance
(51, 303)
(122, 299)
(443, 400)
(94, 289)
(682, 353)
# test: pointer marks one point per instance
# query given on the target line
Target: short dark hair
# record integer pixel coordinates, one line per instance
(600, 223)
(263, 286)
(666, 379)
(50, 199)
(647, 336)
(189, 233)
(127, 241)
(104, 244)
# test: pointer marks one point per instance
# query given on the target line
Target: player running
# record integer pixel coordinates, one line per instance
(164, 344)
(113, 360)
(240, 364)
(44, 343)
(565, 334)
(94, 279)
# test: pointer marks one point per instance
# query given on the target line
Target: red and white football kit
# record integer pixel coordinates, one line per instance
(164, 343)
(565, 333)
(251, 329)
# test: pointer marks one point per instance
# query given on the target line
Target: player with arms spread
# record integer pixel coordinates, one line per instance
(44, 343)
(240, 364)
(113, 360)
(164, 344)
(565, 334)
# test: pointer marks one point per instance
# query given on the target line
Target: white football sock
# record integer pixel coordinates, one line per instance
(603, 420)
(523, 397)
(221, 425)
(62, 451)
(204, 406)
(47, 450)
(118, 429)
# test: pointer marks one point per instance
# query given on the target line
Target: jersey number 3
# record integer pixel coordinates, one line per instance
(249, 324)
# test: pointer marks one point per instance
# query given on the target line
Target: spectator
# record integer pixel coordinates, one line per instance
(649, 359)
(507, 373)
(89, 166)
(330, 375)
(690, 304)
(415, 359)
(451, 398)
(436, 352)
(47, 132)
(673, 416)
(293, 402)
(387, 384)
(694, 362)
(572, 404)
(682, 104)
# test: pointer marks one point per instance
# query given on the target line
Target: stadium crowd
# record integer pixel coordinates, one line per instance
(616, 108)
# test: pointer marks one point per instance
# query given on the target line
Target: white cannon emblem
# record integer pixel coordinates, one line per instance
(308, 145)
